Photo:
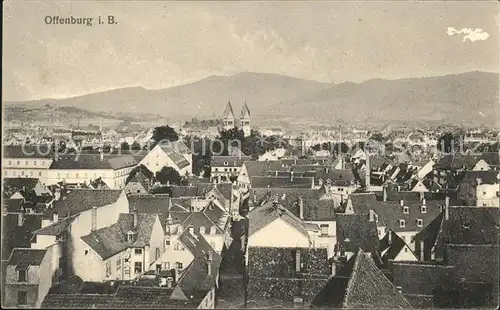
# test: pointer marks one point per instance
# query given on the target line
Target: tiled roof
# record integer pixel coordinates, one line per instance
(179, 160)
(245, 111)
(235, 151)
(355, 231)
(56, 229)
(77, 301)
(456, 161)
(287, 196)
(14, 235)
(93, 161)
(296, 182)
(339, 177)
(260, 168)
(75, 201)
(486, 177)
(17, 184)
(228, 111)
(130, 297)
(389, 250)
(369, 288)
(140, 178)
(472, 225)
(175, 147)
(200, 219)
(262, 216)
(216, 215)
(111, 240)
(227, 161)
(187, 191)
(419, 278)
(22, 258)
(491, 158)
(12, 205)
(155, 204)
(315, 210)
(30, 151)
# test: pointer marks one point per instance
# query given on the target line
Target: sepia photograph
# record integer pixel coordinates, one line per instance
(250, 154)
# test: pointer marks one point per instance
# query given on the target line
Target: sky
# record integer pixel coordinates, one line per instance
(162, 44)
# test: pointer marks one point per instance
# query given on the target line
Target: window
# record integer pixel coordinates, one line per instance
(166, 265)
(178, 265)
(324, 229)
(10, 162)
(423, 209)
(157, 253)
(22, 298)
(406, 249)
(34, 162)
(118, 264)
(18, 162)
(402, 223)
(26, 163)
(216, 169)
(43, 163)
(138, 267)
(22, 172)
(21, 275)
(225, 163)
(406, 210)
(138, 251)
(86, 252)
(420, 222)
(167, 242)
(39, 173)
(5, 172)
(31, 173)
(404, 238)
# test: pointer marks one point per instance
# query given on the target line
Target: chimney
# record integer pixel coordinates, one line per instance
(326, 170)
(291, 176)
(372, 216)
(334, 268)
(191, 230)
(385, 193)
(209, 263)
(135, 213)
(168, 182)
(367, 172)
(56, 154)
(389, 236)
(422, 196)
(94, 219)
(20, 218)
(447, 208)
(301, 208)
(55, 217)
(297, 260)
(423, 202)
(422, 251)
(402, 202)
(101, 154)
(479, 181)
(276, 173)
(57, 194)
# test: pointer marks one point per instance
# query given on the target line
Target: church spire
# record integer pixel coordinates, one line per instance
(228, 111)
(245, 111)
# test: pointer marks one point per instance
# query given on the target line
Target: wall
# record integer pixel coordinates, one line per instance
(208, 302)
(26, 167)
(86, 263)
(157, 240)
(487, 195)
(172, 256)
(406, 255)
(329, 240)
(407, 236)
(481, 165)
(47, 267)
(43, 242)
(278, 234)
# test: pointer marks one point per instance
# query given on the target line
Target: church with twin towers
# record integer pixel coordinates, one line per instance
(229, 121)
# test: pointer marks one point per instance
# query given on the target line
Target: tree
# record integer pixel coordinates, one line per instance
(163, 133)
(168, 174)
(140, 168)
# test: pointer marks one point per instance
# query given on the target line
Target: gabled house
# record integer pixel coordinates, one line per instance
(27, 278)
(139, 184)
(27, 189)
(273, 181)
(174, 154)
(393, 248)
(251, 169)
(223, 168)
(123, 250)
(273, 155)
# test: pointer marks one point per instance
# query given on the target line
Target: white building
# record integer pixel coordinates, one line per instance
(170, 154)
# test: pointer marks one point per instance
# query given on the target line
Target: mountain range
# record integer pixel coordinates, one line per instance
(466, 98)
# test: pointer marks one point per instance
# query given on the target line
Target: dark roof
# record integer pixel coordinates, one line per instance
(245, 111)
(227, 161)
(188, 191)
(486, 177)
(12, 205)
(472, 225)
(75, 201)
(129, 297)
(369, 288)
(76, 301)
(456, 161)
(56, 229)
(93, 161)
(17, 184)
(140, 178)
(354, 231)
(421, 278)
(260, 168)
(228, 111)
(337, 177)
(179, 159)
(195, 281)
(290, 195)
(22, 258)
(29, 151)
(296, 182)
(14, 235)
(262, 216)
(200, 219)
(158, 204)
(389, 250)
(491, 158)
(315, 210)
(111, 240)
(175, 147)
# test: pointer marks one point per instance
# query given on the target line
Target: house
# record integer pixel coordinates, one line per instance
(273, 181)
(393, 248)
(425, 169)
(83, 168)
(360, 285)
(405, 218)
(251, 169)
(27, 278)
(26, 161)
(174, 154)
(354, 232)
(223, 168)
(273, 155)
(285, 276)
(480, 188)
(76, 213)
(337, 182)
(459, 260)
(123, 250)
(138, 184)
(17, 230)
(30, 189)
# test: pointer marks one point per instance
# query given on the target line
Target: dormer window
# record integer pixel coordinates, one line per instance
(130, 236)
(202, 230)
(212, 230)
(406, 210)
(402, 223)
(423, 209)
(420, 222)
(22, 275)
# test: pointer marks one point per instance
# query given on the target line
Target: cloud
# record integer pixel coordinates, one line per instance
(470, 34)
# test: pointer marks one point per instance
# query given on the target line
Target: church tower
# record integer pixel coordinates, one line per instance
(245, 120)
(228, 117)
